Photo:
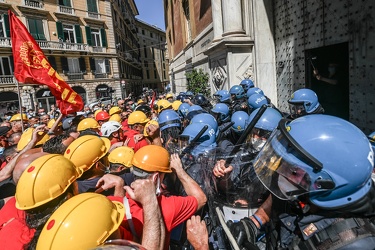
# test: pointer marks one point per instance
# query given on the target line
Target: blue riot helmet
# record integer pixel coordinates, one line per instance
(303, 102)
(206, 119)
(217, 96)
(254, 90)
(221, 112)
(224, 96)
(257, 100)
(183, 110)
(239, 119)
(317, 155)
(204, 143)
(168, 118)
(194, 108)
(247, 84)
(200, 100)
(181, 96)
(189, 94)
(236, 92)
(263, 128)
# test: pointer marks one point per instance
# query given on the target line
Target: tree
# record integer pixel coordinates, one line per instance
(197, 82)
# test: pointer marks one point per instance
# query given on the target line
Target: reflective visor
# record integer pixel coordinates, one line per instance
(283, 170)
(297, 109)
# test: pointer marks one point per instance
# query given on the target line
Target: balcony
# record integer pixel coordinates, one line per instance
(4, 80)
(74, 75)
(133, 28)
(93, 15)
(63, 46)
(34, 4)
(65, 10)
(97, 49)
(128, 57)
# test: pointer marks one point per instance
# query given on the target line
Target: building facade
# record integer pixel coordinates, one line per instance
(153, 50)
(127, 45)
(279, 44)
(78, 39)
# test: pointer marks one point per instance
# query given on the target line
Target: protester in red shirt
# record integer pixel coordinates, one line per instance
(152, 162)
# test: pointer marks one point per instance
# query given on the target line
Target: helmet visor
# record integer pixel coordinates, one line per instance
(258, 138)
(297, 109)
(283, 170)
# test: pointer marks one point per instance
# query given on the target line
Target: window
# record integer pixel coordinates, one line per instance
(4, 26)
(99, 66)
(68, 31)
(151, 35)
(145, 50)
(65, 3)
(95, 37)
(73, 64)
(36, 29)
(5, 66)
(148, 74)
(92, 6)
(187, 16)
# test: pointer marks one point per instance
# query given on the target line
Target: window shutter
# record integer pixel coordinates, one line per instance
(64, 64)
(77, 29)
(11, 63)
(6, 22)
(40, 30)
(91, 6)
(104, 37)
(82, 64)
(52, 61)
(107, 66)
(92, 64)
(60, 31)
(32, 28)
(88, 35)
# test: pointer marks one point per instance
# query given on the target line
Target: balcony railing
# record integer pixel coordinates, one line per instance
(65, 10)
(75, 75)
(63, 46)
(7, 80)
(97, 49)
(5, 42)
(93, 15)
(34, 4)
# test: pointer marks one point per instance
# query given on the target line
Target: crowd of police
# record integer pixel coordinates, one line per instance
(187, 172)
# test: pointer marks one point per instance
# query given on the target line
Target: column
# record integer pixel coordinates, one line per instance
(217, 19)
(232, 17)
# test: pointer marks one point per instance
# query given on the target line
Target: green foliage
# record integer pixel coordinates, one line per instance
(197, 82)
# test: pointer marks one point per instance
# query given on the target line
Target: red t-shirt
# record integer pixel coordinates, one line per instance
(3, 164)
(130, 134)
(14, 233)
(174, 209)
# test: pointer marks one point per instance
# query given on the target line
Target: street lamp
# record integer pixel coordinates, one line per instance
(30, 90)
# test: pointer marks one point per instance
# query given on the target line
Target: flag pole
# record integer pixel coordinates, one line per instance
(20, 102)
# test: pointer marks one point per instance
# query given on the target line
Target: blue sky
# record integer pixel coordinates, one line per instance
(151, 11)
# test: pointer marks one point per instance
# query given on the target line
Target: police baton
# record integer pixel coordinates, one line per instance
(223, 130)
(247, 131)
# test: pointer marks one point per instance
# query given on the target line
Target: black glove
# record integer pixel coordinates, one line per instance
(245, 232)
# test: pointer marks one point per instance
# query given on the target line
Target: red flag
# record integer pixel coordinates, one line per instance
(32, 66)
(153, 99)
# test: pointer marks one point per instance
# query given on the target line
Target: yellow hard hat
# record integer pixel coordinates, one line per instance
(44, 179)
(152, 158)
(122, 155)
(153, 122)
(176, 104)
(163, 104)
(86, 150)
(169, 95)
(17, 117)
(87, 123)
(137, 117)
(26, 138)
(51, 122)
(114, 110)
(82, 222)
(140, 101)
(115, 117)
